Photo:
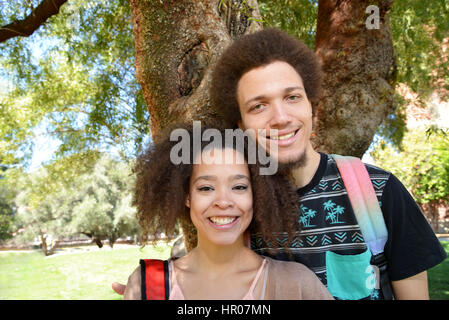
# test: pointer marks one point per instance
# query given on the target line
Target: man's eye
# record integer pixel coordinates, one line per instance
(256, 107)
(293, 98)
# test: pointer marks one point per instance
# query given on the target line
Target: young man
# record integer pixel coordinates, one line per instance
(268, 80)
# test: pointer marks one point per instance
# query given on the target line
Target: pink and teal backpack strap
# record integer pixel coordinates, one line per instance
(364, 202)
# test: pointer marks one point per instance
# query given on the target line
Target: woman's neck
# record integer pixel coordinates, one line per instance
(222, 259)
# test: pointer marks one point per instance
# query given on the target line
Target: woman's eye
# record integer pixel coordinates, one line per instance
(205, 188)
(240, 187)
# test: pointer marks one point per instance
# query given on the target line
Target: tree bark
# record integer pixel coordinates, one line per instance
(26, 27)
(177, 44)
(359, 75)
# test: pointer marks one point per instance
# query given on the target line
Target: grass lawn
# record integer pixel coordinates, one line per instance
(83, 275)
(439, 278)
(88, 275)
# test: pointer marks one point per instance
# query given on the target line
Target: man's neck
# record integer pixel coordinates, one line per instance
(303, 175)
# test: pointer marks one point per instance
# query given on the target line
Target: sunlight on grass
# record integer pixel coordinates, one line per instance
(74, 276)
(77, 274)
(439, 278)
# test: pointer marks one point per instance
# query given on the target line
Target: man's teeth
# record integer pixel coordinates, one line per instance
(222, 220)
(286, 136)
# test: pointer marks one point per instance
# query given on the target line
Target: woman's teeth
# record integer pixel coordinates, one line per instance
(286, 136)
(222, 220)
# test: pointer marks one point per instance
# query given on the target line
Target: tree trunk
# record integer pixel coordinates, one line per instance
(177, 43)
(44, 244)
(112, 239)
(97, 242)
(433, 215)
(359, 73)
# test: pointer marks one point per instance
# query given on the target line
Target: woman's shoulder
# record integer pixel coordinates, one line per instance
(296, 268)
(294, 280)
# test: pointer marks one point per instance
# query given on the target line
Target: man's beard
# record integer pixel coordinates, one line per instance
(298, 162)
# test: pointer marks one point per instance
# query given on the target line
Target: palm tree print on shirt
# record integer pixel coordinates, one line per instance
(306, 215)
(333, 211)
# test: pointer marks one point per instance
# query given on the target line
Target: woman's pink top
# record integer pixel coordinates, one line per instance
(176, 293)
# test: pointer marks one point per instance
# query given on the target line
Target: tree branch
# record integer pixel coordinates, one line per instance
(26, 27)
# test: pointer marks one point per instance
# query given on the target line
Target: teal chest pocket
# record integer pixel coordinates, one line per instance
(348, 276)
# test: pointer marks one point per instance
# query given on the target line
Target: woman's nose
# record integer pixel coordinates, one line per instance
(223, 201)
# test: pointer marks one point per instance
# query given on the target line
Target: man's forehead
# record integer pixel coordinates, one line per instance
(276, 74)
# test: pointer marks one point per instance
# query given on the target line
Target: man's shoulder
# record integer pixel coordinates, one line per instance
(373, 170)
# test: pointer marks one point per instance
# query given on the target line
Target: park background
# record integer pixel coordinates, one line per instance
(85, 85)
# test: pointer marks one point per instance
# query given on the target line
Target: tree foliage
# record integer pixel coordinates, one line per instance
(96, 203)
(7, 209)
(422, 165)
(103, 208)
(76, 74)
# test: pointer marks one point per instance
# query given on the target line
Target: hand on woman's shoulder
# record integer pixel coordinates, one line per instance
(133, 287)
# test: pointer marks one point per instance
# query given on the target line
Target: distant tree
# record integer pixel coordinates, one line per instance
(7, 207)
(422, 165)
(41, 214)
(104, 209)
(97, 203)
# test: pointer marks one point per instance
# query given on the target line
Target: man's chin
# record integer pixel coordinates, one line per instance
(286, 165)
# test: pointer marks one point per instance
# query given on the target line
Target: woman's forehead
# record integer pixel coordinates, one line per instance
(221, 161)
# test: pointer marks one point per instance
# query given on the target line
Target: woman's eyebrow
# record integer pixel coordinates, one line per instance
(208, 178)
(239, 176)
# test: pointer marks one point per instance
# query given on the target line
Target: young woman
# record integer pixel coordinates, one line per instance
(222, 199)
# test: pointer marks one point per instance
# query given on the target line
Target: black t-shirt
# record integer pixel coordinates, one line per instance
(332, 245)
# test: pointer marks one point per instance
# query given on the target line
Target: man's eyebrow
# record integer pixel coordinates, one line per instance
(290, 89)
(260, 97)
(286, 90)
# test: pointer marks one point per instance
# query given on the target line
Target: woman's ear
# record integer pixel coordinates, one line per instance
(187, 202)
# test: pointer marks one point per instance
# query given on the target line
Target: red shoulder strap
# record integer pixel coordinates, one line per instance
(155, 279)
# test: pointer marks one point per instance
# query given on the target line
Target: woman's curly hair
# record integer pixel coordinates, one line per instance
(256, 50)
(162, 186)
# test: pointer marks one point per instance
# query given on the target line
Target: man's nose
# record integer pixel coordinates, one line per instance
(279, 117)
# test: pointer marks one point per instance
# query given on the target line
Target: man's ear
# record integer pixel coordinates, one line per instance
(187, 202)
